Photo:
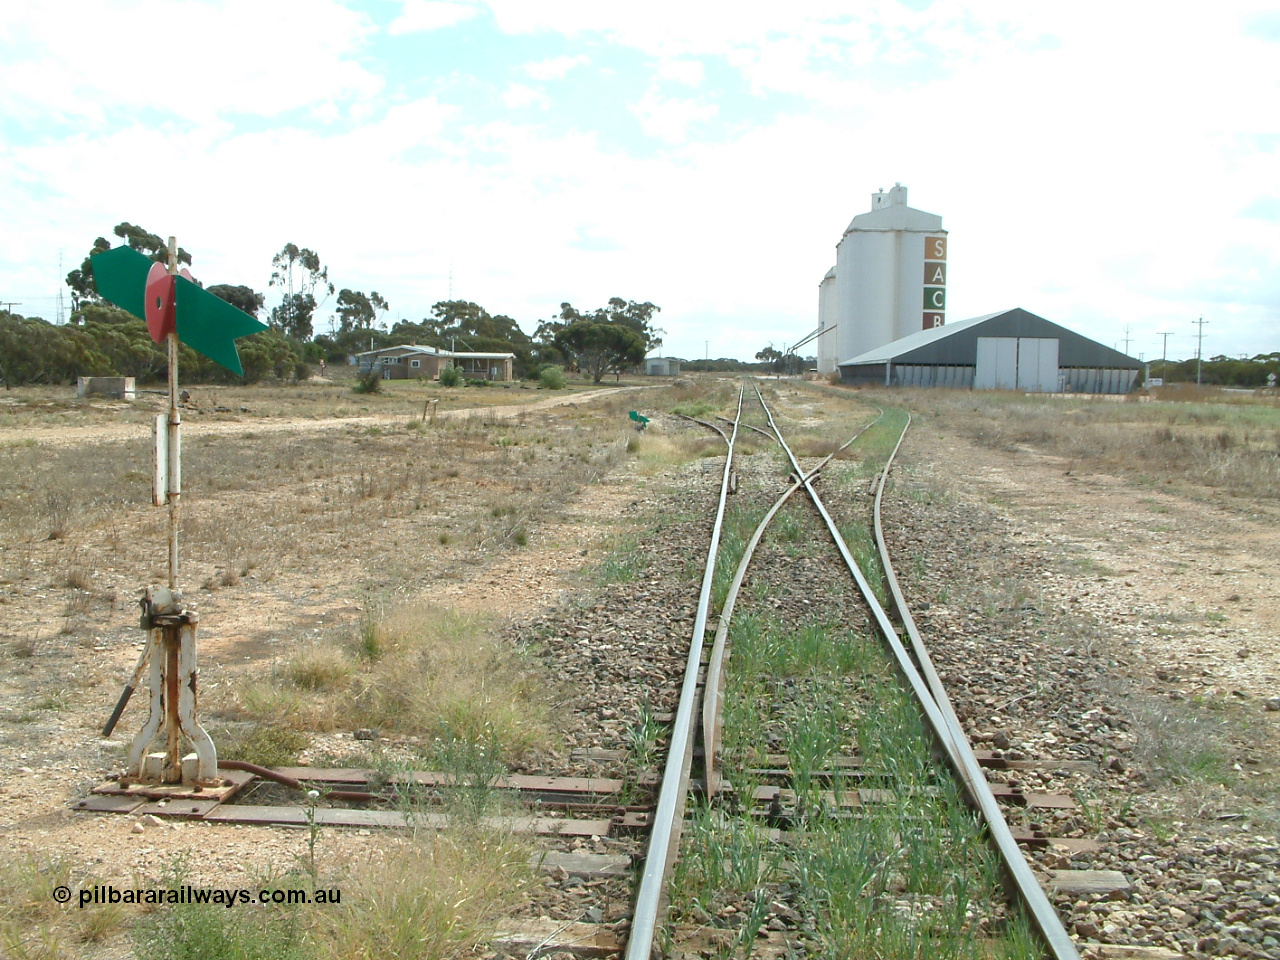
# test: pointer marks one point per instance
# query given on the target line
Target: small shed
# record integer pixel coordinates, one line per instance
(1010, 350)
(662, 366)
(113, 388)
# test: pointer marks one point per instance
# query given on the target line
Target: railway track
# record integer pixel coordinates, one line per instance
(914, 667)
(778, 761)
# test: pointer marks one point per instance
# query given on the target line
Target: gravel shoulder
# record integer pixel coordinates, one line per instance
(1083, 616)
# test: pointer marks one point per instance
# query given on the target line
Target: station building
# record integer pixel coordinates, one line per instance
(412, 362)
(1010, 350)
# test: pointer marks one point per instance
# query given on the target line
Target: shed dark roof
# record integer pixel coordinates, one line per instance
(957, 343)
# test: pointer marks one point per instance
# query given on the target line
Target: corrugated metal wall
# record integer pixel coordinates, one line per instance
(1097, 380)
(920, 375)
(960, 377)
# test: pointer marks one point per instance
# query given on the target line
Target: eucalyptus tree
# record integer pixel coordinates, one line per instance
(299, 274)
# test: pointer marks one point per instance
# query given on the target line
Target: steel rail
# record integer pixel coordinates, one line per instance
(706, 423)
(764, 433)
(675, 775)
(1045, 916)
(712, 689)
(953, 740)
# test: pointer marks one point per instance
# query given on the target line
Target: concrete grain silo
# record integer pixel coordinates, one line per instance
(827, 350)
(890, 277)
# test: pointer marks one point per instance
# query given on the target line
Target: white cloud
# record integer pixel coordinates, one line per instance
(688, 72)
(517, 96)
(228, 56)
(424, 15)
(669, 118)
(556, 68)
(327, 112)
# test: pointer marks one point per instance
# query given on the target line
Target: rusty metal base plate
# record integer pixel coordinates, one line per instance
(212, 805)
(108, 804)
(232, 782)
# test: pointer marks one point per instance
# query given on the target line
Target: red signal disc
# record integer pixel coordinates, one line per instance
(159, 303)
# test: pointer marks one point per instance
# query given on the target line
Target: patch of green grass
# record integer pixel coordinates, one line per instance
(642, 737)
(623, 564)
(719, 855)
(695, 408)
(198, 931)
(266, 746)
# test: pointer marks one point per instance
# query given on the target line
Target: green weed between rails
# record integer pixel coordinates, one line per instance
(642, 738)
(769, 648)
(720, 855)
(904, 874)
(862, 547)
(874, 446)
(739, 524)
(696, 408)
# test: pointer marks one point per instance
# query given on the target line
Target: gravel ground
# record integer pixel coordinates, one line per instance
(1034, 670)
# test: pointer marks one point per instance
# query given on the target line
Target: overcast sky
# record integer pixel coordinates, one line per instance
(1104, 165)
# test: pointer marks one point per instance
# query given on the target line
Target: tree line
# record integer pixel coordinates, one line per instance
(1220, 371)
(103, 340)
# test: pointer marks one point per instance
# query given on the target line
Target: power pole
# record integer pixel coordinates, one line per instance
(1164, 356)
(8, 305)
(1126, 339)
(1199, 343)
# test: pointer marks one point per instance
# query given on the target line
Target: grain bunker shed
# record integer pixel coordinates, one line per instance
(1011, 350)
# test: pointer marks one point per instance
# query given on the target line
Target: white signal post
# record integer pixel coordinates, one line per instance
(171, 629)
(174, 487)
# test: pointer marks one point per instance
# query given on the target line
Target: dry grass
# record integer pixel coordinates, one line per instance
(422, 670)
(435, 897)
(34, 926)
(657, 452)
(1232, 444)
(57, 406)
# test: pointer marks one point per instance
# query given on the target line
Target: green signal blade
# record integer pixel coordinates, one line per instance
(121, 277)
(211, 326)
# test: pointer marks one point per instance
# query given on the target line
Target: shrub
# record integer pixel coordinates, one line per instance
(370, 382)
(551, 378)
(450, 377)
(301, 371)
